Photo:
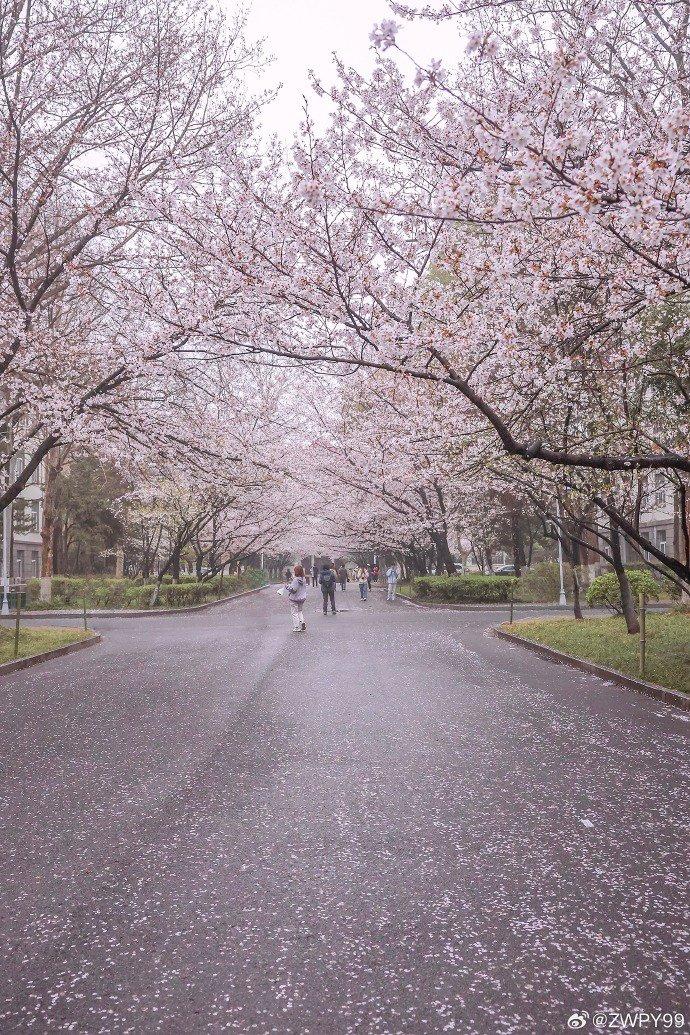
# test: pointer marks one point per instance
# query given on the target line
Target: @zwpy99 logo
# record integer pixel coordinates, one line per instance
(578, 1020)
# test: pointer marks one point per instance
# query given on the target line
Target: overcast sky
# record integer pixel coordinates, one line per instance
(302, 34)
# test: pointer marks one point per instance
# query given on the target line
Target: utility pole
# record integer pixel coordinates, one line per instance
(7, 535)
(561, 599)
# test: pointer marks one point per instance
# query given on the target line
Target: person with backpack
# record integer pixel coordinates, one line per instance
(296, 591)
(327, 582)
(392, 580)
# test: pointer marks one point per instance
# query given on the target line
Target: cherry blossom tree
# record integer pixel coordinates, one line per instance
(108, 109)
(513, 229)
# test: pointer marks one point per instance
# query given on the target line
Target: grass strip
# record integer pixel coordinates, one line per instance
(606, 641)
(36, 641)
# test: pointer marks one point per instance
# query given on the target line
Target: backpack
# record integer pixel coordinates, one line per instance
(327, 579)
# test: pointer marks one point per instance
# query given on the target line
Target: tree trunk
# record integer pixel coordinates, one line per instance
(175, 566)
(627, 602)
(48, 522)
(519, 558)
(575, 561)
(444, 556)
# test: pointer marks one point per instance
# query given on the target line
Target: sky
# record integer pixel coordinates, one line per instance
(302, 34)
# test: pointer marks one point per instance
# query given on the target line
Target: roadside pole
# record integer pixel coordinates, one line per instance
(16, 625)
(643, 634)
(6, 535)
(561, 599)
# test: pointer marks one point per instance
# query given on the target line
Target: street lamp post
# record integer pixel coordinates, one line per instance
(6, 535)
(561, 599)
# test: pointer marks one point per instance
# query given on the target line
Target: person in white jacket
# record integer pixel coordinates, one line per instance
(297, 593)
(392, 580)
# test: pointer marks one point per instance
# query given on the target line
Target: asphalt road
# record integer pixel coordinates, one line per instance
(393, 823)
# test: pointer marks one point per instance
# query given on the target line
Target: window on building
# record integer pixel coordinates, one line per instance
(659, 490)
(16, 467)
(27, 516)
(35, 564)
(661, 540)
(19, 565)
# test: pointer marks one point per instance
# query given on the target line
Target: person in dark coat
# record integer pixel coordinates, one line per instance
(327, 582)
(342, 576)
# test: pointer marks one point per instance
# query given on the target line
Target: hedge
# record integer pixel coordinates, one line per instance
(463, 589)
(136, 594)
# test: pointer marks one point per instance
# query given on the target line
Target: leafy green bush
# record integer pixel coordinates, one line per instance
(69, 590)
(137, 597)
(542, 583)
(462, 589)
(605, 591)
(184, 594)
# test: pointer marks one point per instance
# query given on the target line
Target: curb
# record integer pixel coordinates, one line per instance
(482, 607)
(48, 655)
(660, 693)
(151, 612)
(505, 606)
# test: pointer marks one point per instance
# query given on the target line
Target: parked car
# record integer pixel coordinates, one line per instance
(505, 569)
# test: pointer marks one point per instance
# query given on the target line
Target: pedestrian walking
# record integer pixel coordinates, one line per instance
(342, 576)
(314, 575)
(363, 582)
(327, 582)
(296, 590)
(392, 580)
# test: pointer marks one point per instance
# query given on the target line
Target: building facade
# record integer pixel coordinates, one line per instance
(26, 540)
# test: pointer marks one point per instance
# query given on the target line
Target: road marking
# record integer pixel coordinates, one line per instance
(586, 823)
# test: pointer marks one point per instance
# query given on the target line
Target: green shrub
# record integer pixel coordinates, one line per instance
(254, 577)
(460, 589)
(105, 593)
(184, 594)
(542, 583)
(605, 591)
(137, 597)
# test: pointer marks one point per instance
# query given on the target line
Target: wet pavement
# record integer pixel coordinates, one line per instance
(393, 823)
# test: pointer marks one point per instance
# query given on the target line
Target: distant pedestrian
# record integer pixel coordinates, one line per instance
(296, 590)
(375, 572)
(327, 581)
(370, 577)
(342, 576)
(287, 576)
(363, 582)
(392, 580)
(314, 575)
